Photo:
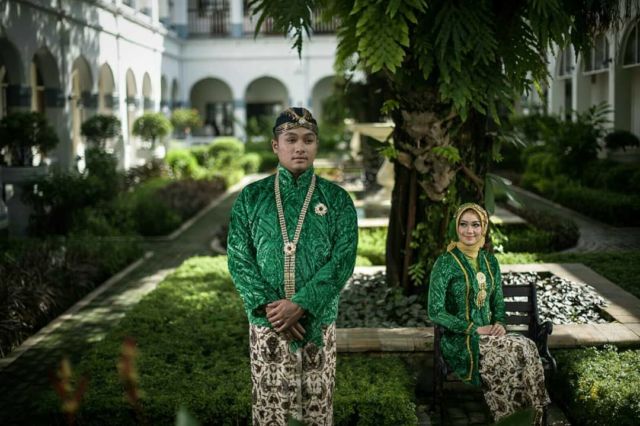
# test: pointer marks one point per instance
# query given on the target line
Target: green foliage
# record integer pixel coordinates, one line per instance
(183, 163)
(372, 391)
(193, 341)
(149, 214)
(546, 232)
(42, 278)
(59, 198)
(367, 301)
(100, 128)
(599, 386)
(226, 147)
(250, 162)
(609, 175)
(621, 267)
(183, 118)
(527, 239)
(449, 153)
(21, 133)
(621, 139)
(610, 207)
(372, 244)
(152, 126)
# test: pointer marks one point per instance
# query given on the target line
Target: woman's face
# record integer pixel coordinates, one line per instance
(469, 228)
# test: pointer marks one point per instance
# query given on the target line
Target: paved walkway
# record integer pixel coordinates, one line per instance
(594, 235)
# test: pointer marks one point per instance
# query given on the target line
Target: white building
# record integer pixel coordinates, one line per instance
(71, 59)
(609, 72)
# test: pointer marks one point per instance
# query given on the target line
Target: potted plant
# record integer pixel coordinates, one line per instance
(152, 126)
(22, 135)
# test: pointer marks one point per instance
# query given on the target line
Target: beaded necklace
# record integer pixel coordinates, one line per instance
(290, 246)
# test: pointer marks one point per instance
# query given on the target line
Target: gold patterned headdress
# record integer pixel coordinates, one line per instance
(292, 118)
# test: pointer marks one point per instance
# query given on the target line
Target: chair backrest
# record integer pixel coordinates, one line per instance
(521, 307)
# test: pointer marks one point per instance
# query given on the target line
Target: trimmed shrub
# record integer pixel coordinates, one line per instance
(250, 162)
(554, 233)
(226, 147)
(183, 164)
(372, 243)
(599, 386)
(193, 341)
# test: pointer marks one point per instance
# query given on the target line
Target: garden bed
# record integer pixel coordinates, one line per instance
(42, 278)
(367, 301)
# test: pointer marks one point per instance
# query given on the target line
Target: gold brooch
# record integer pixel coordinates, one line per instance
(320, 209)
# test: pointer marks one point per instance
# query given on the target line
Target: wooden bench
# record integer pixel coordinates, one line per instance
(521, 317)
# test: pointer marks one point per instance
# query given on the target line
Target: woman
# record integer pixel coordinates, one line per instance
(465, 297)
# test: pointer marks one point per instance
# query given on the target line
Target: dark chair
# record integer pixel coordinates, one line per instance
(522, 317)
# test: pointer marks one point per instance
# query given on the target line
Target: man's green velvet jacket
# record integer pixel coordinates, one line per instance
(325, 254)
(452, 304)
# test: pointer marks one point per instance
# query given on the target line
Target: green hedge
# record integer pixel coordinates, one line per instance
(372, 244)
(192, 335)
(614, 208)
(599, 386)
(543, 233)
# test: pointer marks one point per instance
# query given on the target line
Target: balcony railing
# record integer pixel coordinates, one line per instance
(210, 22)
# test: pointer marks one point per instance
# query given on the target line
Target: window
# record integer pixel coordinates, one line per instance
(566, 62)
(632, 49)
(597, 57)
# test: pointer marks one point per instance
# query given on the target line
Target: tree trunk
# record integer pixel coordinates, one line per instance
(427, 187)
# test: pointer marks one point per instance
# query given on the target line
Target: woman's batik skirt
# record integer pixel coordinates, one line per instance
(288, 384)
(512, 375)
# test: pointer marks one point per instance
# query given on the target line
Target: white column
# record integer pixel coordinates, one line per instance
(181, 17)
(240, 118)
(237, 18)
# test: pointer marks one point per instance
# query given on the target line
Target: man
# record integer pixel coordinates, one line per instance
(292, 246)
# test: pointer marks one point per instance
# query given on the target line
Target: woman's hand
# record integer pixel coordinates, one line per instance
(492, 330)
(283, 315)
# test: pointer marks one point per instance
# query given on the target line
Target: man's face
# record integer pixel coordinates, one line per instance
(296, 149)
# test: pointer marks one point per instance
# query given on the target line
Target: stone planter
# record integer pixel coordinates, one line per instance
(13, 179)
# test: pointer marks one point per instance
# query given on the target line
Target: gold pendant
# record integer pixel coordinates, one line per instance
(482, 295)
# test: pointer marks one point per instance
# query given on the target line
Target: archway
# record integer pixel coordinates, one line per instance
(106, 90)
(562, 86)
(265, 97)
(320, 92)
(81, 84)
(11, 78)
(213, 99)
(164, 98)
(593, 79)
(175, 94)
(147, 92)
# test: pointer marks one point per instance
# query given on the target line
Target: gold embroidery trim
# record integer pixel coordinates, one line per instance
(466, 279)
